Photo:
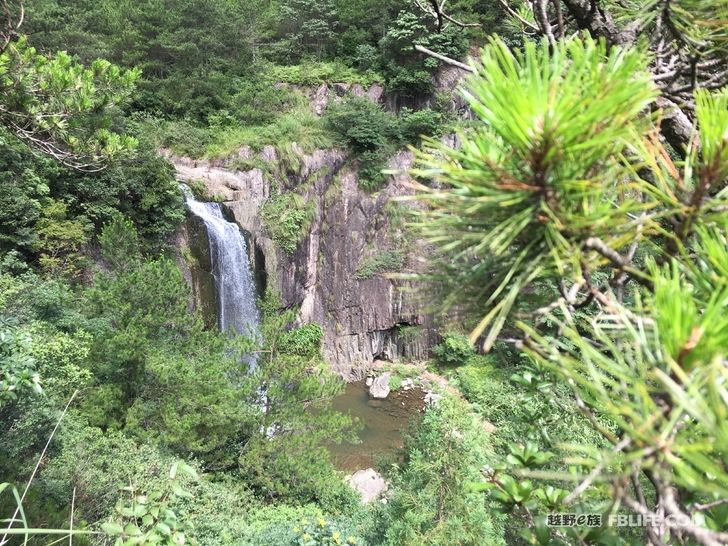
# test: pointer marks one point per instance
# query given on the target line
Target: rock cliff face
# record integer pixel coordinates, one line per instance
(446, 80)
(364, 316)
(334, 274)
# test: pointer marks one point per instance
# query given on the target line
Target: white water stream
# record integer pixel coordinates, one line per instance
(236, 294)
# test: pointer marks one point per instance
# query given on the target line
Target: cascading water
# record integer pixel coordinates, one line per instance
(234, 284)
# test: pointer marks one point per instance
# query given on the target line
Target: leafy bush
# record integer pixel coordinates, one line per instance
(383, 260)
(409, 73)
(304, 341)
(17, 367)
(362, 124)
(259, 100)
(326, 72)
(395, 382)
(412, 125)
(184, 138)
(374, 134)
(455, 349)
(410, 81)
(287, 218)
(366, 56)
(430, 503)
(319, 534)
(62, 360)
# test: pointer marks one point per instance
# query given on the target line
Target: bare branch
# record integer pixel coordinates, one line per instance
(539, 12)
(708, 506)
(437, 11)
(593, 243)
(513, 13)
(594, 473)
(442, 58)
(559, 18)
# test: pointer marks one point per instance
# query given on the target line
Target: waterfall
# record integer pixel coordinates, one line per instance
(236, 297)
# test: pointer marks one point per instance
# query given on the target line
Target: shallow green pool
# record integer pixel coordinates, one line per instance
(383, 420)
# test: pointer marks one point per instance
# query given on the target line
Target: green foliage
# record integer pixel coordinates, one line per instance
(143, 189)
(304, 341)
(455, 349)
(287, 218)
(551, 113)
(170, 404)
(152, 517)
(361, 123)
(413, 125)
(119, 244)
(395, 382)
(374, 134)
(430, 502)
(319, 534)
(30, 297)
(294, 123)
(18, 524)
(59, 240)
(409, 73)
(307, 26)
(62, 360)
(62, 108)
(552, 196)
(155, 368)
(367, 129)
(316, 73)
(289, 416)
(383, 260)
(184, 139)
(22, 191)
(17, 367)
(201, 193)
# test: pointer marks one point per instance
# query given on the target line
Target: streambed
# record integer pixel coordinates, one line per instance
(383, 420)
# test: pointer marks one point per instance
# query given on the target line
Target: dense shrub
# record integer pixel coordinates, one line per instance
(374, 134)
(304, 341)
(287, 217)
(383, 260)
(412, 125)
(362, 124)
(455, 349)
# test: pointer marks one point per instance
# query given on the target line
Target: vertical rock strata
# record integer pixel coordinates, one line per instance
(363, 318)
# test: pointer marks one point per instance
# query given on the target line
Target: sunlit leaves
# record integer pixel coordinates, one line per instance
(539, 177)
(154, 517)
(17, 367)
(61, 108)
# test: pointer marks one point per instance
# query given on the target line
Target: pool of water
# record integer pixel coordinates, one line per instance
(382, 422)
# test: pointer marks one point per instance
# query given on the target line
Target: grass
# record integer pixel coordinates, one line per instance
(301, 127)
(383, 260)
(298, 125)
(317, 73)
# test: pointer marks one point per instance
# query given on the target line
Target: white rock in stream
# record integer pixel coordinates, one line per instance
(380, 386)
(369, 483)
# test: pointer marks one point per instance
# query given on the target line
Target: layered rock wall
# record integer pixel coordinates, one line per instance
(363, 318)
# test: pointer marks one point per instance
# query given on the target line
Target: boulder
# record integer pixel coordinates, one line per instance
(320, 99)
(340, 89)
(369, 483)
(380, 386)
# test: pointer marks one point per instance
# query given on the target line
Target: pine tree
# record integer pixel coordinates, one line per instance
(565, 226)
